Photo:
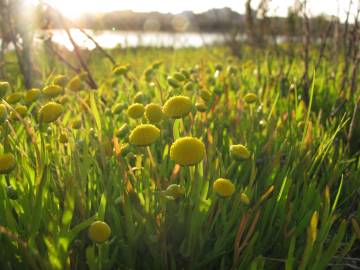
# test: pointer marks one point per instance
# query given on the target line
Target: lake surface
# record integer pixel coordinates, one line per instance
(112, 39)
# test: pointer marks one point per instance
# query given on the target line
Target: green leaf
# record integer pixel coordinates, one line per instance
(102, 207)
(95, 110)
(78, 228)
(290, 258)
(176, 129)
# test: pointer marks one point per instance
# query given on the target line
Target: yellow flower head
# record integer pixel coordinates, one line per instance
(244, 198)
(179, 76)
(177, 107)
(157, 64)
(99, 232)
(175, 191)
(50, 112)
(250, 98)
(7, 163)
(3, 113)
(122, 131)
(82, 75)
(144, 135)
(187, 151)
(118, 107)
(185, 73)
(121, 70)
(173, 82)
(75, 84)
(149, 74)
(63, 99)
(239, 151)
(51, 91)
(139, 97)
(21, 110)
(32, 95)
(4, 87)
(153, 113)
(136, 110)
(13, 97)
(60, 80)
(224, 187)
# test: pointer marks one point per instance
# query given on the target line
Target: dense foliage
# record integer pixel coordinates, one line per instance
(271, 182)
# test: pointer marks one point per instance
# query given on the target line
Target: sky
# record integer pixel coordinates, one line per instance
(74, 8)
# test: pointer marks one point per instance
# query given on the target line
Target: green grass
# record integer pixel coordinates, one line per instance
(301, 182)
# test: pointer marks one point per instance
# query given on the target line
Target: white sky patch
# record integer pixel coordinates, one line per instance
(74, 8)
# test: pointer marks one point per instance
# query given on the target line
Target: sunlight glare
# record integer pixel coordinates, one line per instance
(75, 8)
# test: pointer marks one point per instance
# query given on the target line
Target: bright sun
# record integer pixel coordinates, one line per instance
(74, 8)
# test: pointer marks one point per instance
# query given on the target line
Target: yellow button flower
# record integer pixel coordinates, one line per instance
(63, 99)
(187, 151)
(51, 91)
(173, 82)
(60, 80)
(118, 108)
(139, 97)
(32, 95)
(13, 97)
(50, 112)
(177, 107)
(239, 151)
(144, 135)
(75, 84)
(121, 70)
(7, 163)
(153, 113)
(21, 110)
(99, 231)
(244, 198)
(224, 187)
(4, 87)
(122, 131)
(136, 110)
(179, 76)
(250, 98)
(175, 191)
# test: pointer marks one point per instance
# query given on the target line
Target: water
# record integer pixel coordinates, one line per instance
(111, 39)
